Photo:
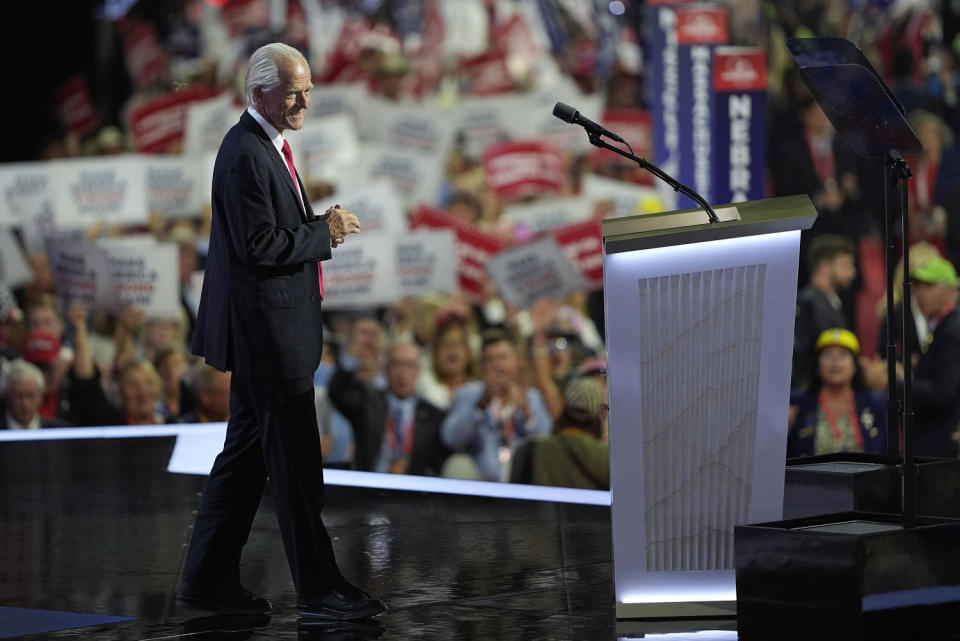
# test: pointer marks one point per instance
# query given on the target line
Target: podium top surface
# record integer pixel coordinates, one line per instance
(758, 217)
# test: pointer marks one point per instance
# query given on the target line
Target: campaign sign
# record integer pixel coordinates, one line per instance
(336, 99)
(663, 85)
(378, 207)
(416, 177)
(409, 127)
(628, 199)
(76, 267)
(482, 122)
(75, 108)
(535, 270)
(205, 124)
(174, 186)
(157, 125)
(362, 273)
(144, 55)
(25, 193)
(739, 123)
(633, 125)
(110, 189)
(516, 170)
(325, 148)
(142, 274)
(529, 219)
(426, 263)
(474, 247)
(14, 269)
(582, 243)
(536, 119)
(700, 28)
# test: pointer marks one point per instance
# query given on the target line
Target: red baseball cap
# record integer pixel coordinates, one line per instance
(41, 348)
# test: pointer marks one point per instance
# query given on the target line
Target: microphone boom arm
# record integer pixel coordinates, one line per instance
(677, 186)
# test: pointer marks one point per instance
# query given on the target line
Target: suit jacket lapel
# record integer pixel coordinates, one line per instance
(278, 162)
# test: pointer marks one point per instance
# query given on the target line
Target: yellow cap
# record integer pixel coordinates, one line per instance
(838, 336)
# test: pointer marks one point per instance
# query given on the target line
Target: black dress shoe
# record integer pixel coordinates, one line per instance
(232, 599)
(338, 606)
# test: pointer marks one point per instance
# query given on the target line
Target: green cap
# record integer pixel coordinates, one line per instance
(935, 271)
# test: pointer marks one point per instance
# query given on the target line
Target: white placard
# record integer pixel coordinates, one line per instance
(141, 274)
(330, 100)
(325, 148)
(206, 122)
(25, 193)
(536, 270)
(77, 267)
(532, 218)
(628, 199)
(111, 189)
(412, 128)
(174, 185)
(426, 263)
(415, 177)
(14, 269)
(484, 121)
(361, 273)
(379, 207)
(535, 120)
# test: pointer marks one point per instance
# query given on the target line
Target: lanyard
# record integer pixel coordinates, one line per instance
(832, 420)
(399, 437)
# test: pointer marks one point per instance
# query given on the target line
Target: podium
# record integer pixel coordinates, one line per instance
(699, 320)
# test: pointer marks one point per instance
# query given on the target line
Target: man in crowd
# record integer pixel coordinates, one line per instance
(394, 431)
(212, 388)
(23, 390)
(936, 380)
(260, 318)
(833, 269)
(488, 419)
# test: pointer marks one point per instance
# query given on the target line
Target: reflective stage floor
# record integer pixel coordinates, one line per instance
(100, 527)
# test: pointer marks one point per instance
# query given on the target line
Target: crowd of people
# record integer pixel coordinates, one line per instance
(451, 386)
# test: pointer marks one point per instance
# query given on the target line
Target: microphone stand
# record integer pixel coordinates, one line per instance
(677, 186)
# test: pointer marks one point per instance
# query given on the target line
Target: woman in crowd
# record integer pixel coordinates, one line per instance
(452, 362)
(836, 413)
(139, 386)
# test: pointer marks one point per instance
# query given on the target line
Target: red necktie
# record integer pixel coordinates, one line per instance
(288, 156)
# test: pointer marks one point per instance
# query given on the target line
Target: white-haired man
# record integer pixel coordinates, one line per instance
(23, 389)
(260, 318)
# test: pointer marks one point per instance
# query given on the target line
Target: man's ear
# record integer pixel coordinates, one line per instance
(257, 95)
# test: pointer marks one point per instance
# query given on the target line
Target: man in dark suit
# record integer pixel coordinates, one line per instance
(936, 380)
(22, 398)
(260, 318)
(394, 431)
(833, 269)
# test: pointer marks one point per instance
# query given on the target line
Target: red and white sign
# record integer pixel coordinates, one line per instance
(583, 245)
(702, 25)
(739, 69)
(75, 109)
(487, 74)
(633, 125)
(158, 124)
(474, 246)
(145, 56)
(516, 170)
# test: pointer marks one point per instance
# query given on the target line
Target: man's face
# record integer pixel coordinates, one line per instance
(844, 271)
(500, 363)
(215, 399)
(403, 368)
(44, 319)
(285, 105)
(931, 298)
(24, 399)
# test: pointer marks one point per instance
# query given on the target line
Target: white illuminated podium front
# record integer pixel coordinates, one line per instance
(699, 329)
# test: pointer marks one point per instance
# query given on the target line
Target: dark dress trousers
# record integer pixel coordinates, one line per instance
(260, 318)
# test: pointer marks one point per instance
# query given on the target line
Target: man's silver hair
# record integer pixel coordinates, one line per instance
(21, 370)
(263, 70)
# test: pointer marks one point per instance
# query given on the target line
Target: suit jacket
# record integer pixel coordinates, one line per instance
(871, 413)
(44, 422)
(367, 410)
(260, 305)
(936, 390)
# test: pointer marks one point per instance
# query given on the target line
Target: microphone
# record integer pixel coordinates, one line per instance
(567, 113)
